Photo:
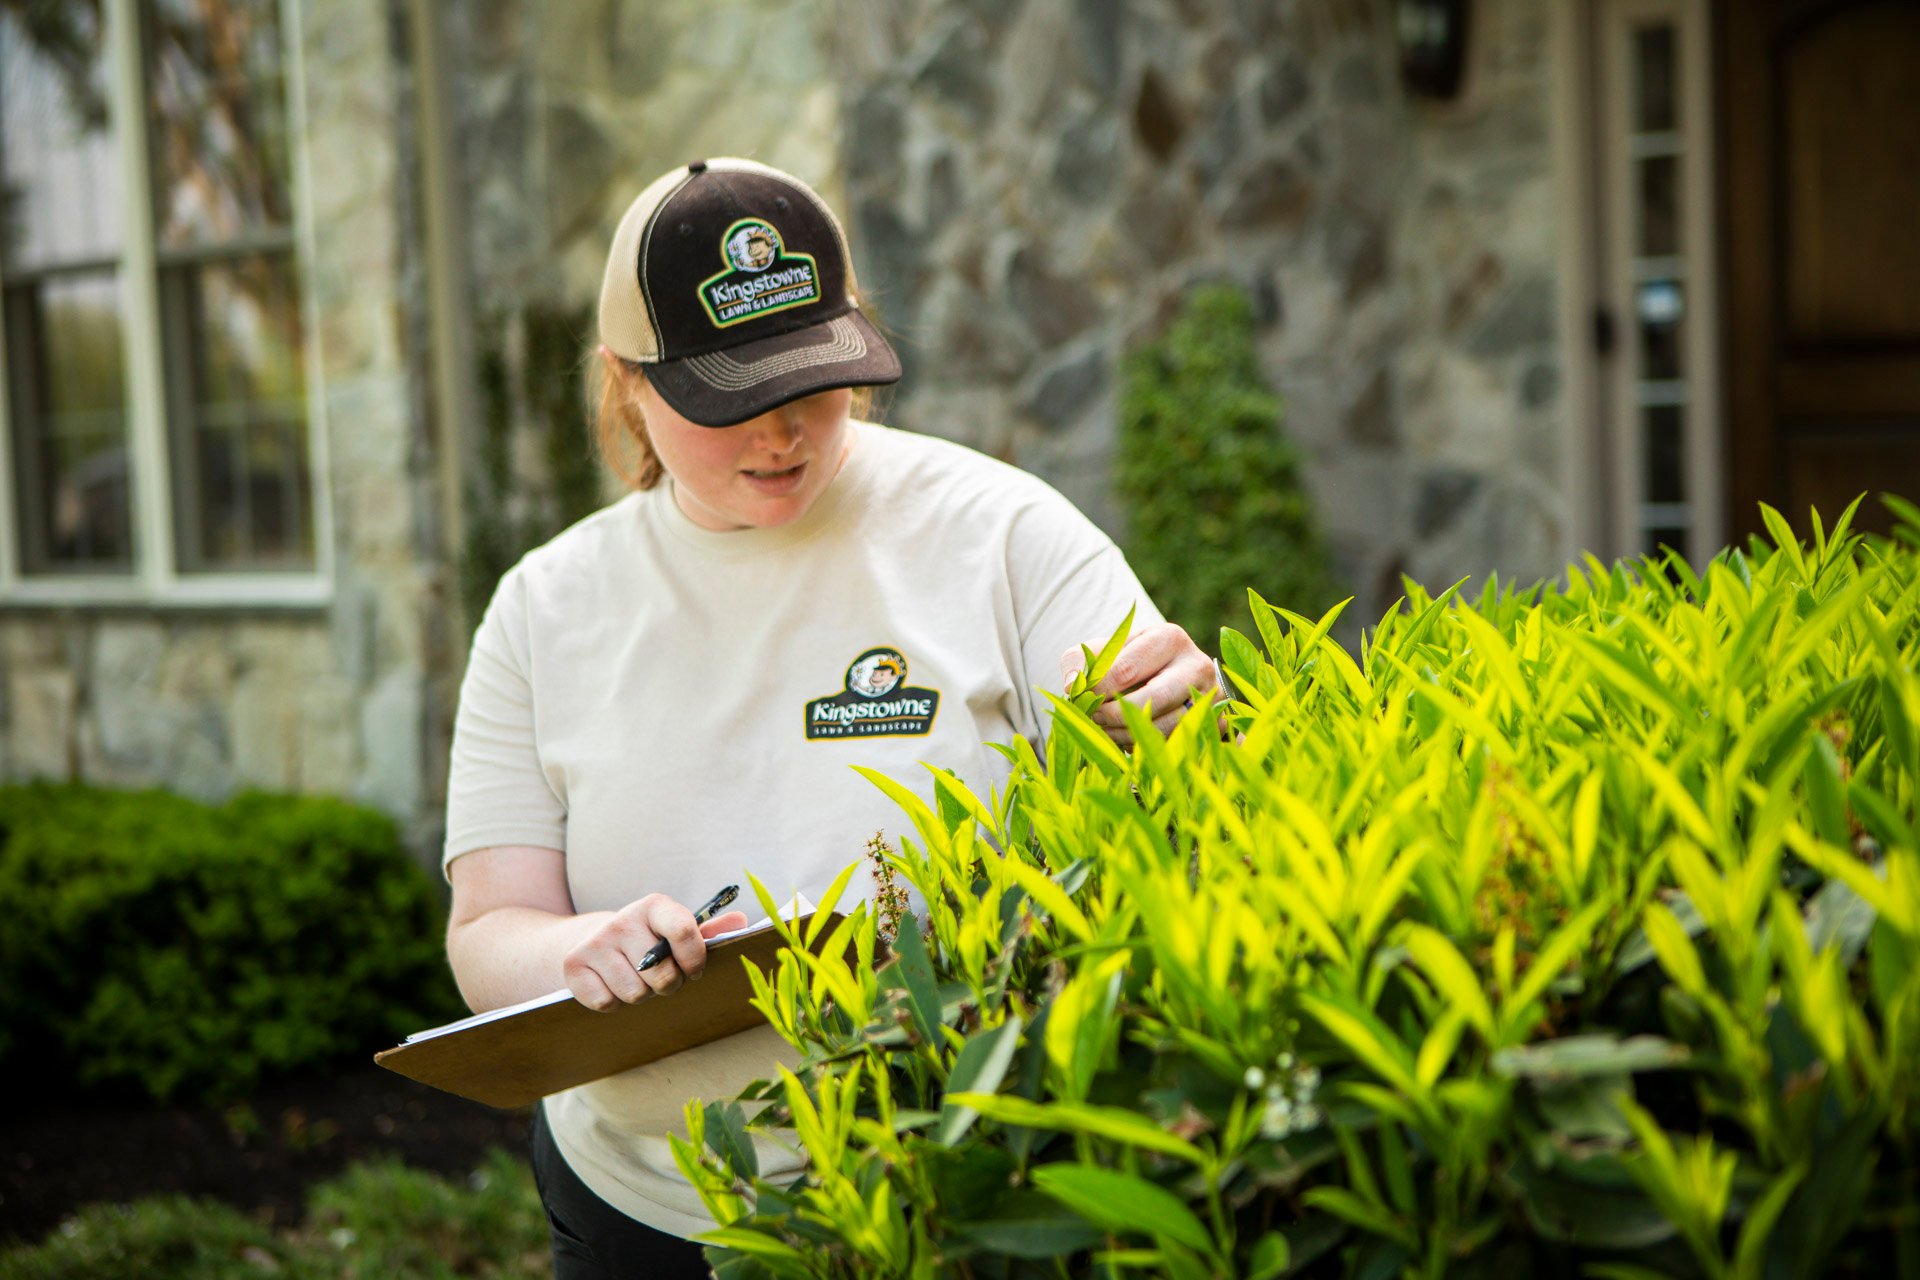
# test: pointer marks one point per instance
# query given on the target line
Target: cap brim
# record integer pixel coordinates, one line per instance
(722, 388)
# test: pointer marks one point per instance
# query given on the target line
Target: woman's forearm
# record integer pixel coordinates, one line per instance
(514, 953)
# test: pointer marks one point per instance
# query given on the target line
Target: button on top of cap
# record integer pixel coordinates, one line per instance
(698, 166)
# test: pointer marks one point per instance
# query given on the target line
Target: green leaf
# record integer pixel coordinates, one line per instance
(1270, 1257)
(1122, 1203)
(1578, 1057)
(1081, 1030)
(1826, 792)
(1091, 740)
(782, 1258)
(1451, 975)
(726, 1132)
(980, 1066)
(1116, 1124)
(1029, 1225)
(1756, 1232)
(916, 968)
(1367, 1215)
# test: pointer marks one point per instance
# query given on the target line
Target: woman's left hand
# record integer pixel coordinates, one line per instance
(1160, 667)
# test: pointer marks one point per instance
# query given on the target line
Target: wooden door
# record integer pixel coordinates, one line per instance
(1820, 116)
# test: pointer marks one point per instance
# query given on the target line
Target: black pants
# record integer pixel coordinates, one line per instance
(592, 1240)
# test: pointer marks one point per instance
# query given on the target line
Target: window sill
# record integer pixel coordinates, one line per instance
(236, 593)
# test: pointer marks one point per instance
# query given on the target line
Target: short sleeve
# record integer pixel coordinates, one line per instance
(1072, 586)
(497, 792)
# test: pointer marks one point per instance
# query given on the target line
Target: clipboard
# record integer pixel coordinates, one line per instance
(517, 1055)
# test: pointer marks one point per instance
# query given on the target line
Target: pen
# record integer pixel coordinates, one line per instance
(662, 949)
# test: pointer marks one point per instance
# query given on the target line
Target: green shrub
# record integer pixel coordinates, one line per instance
(159, 945)
(376, 1221)
(1568, 931)
(1211, 487)
(165, 1238)
(384, 1220)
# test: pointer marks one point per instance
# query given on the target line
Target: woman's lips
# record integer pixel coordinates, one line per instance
(776, 483)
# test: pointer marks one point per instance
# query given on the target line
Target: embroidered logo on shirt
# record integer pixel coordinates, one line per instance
(877, 700)
(761, 276)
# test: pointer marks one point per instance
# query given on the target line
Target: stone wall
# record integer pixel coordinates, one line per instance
(335, 699)
(1034, 184)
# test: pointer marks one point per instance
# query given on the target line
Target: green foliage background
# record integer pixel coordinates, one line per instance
(1565, 931)
(376, 1221)
(1210, 484)
(159, 946)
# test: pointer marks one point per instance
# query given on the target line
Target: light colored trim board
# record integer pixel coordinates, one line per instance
(449, 310)
(140, 308)
(1706, 470)
(1584, 473)
(306, 255)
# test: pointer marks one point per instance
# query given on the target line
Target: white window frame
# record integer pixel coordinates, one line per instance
(1606, 463)
(155, 580)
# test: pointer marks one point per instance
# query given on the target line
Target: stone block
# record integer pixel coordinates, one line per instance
(1272, 195)
(1098, 36)
(582, 162)
(1068, 388)
(1284, 90)
(949, 69)
(327, 753)
(391, 744)
(1219, 143)
(1089, 157)
(1522, 317)
(1444, 494)
(43, 705)
(1054, 304)
(265, 724)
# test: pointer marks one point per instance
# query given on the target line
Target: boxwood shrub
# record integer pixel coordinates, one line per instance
(1569, 930)
(158, 946)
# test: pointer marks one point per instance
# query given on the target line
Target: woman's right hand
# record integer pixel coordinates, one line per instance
(603, 970)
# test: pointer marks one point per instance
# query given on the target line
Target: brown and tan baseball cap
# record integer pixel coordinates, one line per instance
(731, 281)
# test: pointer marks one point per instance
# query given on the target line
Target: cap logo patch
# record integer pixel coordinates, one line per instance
(761, 277)
(876, 700)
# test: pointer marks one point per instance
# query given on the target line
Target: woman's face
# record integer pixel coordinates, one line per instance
(756, 474)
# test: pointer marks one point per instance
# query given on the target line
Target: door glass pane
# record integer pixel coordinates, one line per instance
(1655, 105)
(1659, 307)
(244, 496)
(1664, 445)
(1659, 204)
(62, 195)
(66, 377)
(216, 97)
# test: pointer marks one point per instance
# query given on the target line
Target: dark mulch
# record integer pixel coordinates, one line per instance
(261, 1156)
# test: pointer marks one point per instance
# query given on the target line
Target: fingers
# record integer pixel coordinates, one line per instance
(604, 971)
(726, 923)
(1165, 672)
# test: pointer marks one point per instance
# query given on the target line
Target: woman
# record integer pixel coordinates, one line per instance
(670, 694)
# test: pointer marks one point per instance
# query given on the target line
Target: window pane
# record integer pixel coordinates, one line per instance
(62, 192)
(1654, 102)
(243, 484)
(1659, 206)
(66, 378)
(1664, 443)
(1659, 306)
(217, 101)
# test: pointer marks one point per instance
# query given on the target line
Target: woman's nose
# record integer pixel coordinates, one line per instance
(781, 429)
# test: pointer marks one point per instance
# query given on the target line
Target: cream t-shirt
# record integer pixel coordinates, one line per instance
(674, 707)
